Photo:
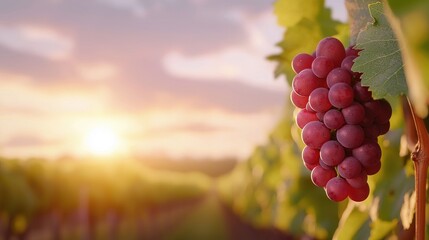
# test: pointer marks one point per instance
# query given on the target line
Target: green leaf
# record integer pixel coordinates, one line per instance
(381, 229)
(303, 31)
(359, 16)
(380, 60)
(400, 7)
(392, 182)
(408, 209)
(410, 21)
(290, 12)
(354, 224)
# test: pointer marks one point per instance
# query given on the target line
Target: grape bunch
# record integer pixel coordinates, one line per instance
(340, 121)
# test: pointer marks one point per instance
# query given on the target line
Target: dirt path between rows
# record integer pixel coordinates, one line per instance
(209, 218)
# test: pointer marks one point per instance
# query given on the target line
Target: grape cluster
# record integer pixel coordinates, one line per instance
(340, 121)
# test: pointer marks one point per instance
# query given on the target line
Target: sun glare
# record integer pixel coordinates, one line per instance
(102, 141)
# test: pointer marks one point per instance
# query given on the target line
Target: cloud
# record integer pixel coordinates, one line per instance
(17, 95)
(97, 71)
(186, 132)
(24, 141)
(245, 63)
(134, 6)
(40, 41)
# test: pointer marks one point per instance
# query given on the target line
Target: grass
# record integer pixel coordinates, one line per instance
(204, 222)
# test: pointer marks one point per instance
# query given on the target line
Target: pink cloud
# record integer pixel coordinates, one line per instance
(40, 41)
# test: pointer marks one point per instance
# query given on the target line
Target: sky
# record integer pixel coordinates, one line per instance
(173, 78)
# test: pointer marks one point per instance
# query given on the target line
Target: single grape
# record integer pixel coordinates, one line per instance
(359, 194)
(331, 48)
(383, 128)
(315, 134)
(309, 108)
(337, 189)
(310, 155)
(368, 153)
(338, 75)
(347, 62)
(358, 181)
(319, 101)
(320, 176)
(368, 120)
(354, 114)
(341, 95)
(309, 166)
(305, 82)
(384, 113)
(351, 51)
(350, 136)
(321, 66)
(350, 167)
(323, 165)
(298, 100)
(332, 153)
(371, 131)
(320, 116)
(303, 117)
(333, 119)
(374, 168)
(381, 110)
(301, 62)
(362, 94)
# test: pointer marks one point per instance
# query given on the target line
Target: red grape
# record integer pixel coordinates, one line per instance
(320, 176)
(350, 167)
(310, 155)
(301, 62)
(321, 66)
(319, 101)
(362, 94)
(338, 75)
(351, 51)
(359, 194)
(305, 82)
(337, 189)
(298, 100)
(373, 169)
(350, 136)
(347, 63)
(368, 153)
(332, 153)
(341, 95)
(333, 119)
(354, 114)
(315, 134)
(304, 117)
(358, 181)
(331, 48)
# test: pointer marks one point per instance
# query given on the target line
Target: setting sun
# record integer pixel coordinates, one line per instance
(102, 141)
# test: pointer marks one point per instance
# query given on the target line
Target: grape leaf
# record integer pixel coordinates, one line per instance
(309, 28)
(354, 224)
(408, 209)
(381, 229)
(290, 12)
(359, 16)
(410, 21)
(392, 182)
(400, 7)
(380, 59)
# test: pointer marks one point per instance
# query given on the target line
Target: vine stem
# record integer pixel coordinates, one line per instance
(420, 158)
